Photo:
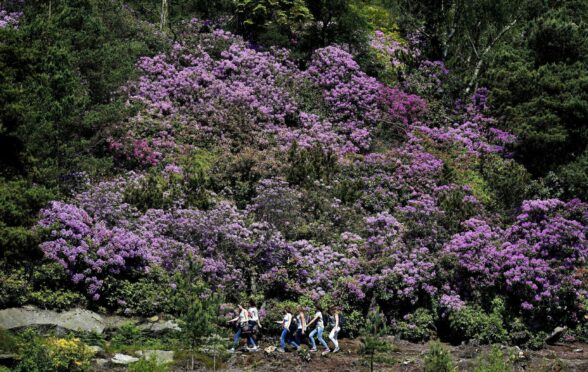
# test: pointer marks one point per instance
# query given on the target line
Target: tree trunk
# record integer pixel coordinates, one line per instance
(482, 55)
(164, 13)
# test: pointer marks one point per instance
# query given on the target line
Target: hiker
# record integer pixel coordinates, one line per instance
(241, 321)
(253, 324)
(300, 325)
(286, 335)
(334, 320)
(318, 330)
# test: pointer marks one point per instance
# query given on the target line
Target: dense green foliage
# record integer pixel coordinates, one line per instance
(72, 114)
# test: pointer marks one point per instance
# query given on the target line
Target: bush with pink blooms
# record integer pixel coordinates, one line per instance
(324, 184)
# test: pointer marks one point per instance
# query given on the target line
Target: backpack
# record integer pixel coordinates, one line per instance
(293, 327)
(341, 320)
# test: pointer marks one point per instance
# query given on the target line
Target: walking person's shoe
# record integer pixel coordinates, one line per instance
(336, 350)
(313, 350)
(326, 352)
(232, 350)
(253, 349)
(280, 350)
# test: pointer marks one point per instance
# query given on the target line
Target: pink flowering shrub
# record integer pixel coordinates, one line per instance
(533, 261)
(304, 196)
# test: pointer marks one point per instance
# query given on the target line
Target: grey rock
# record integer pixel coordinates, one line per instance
(74, 320)
(123, 359)
(162, 356)
(100, 362)
(61, 322)
(160, 326)
(556, 335)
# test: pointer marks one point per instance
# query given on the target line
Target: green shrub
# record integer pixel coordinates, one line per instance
(148, 365)
(51, 354)
(537, 341)
(418, 326)
(8, 342)
(473, 323)
(438, 359)
(146, 296)
(354, 322)
(371, 341)
(127, 334)
(494, 361)
(14, 288)
(56, 299)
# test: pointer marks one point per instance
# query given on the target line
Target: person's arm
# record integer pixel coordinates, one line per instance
(336, 320)
(312, 321)
(303, 322)
(233, 320)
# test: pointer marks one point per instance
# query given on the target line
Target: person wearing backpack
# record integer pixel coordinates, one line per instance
(253, 324)
(318, 330)
(286, 335)
(241, 322)
(335, 319)
(300, 325)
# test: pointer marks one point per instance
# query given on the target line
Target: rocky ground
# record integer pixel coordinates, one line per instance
(408, 356)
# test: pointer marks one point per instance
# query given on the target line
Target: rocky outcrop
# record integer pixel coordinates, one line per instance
(123, 359)
(78, 320)
(74, 320)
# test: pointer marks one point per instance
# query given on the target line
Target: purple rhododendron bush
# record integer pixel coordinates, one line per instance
(320, 183)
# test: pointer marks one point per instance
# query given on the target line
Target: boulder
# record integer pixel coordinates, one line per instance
(100, 362)
(123, 359)
(74, 320)
(96, 350)
(160, 326)
(556, 335)
(162, 356)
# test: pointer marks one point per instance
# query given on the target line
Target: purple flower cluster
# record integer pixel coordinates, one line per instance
(534, 260)
(9, 19)
(212, 88)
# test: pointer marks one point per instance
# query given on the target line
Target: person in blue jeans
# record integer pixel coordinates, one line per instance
(286, 336)
(300, 325)
(241, 321)
(318, 331)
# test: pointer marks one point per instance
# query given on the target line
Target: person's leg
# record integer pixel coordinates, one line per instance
(333, 337)
(251, 341)
(236, 338)
(250, 337)
(298, 336)
(320, 338)
(283, 338)
(311, 339)
(292, 342)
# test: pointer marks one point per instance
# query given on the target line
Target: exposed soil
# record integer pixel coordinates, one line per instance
(407, 356)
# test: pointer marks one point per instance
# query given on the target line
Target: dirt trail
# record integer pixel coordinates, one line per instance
(408, 356)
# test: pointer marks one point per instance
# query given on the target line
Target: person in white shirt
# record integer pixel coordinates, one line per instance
(286, 336)
(318, 330)
(240, 320)
(253, 323)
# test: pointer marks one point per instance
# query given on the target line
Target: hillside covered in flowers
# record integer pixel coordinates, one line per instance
(292, 180)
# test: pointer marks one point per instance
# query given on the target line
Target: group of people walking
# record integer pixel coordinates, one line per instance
(294, 329)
